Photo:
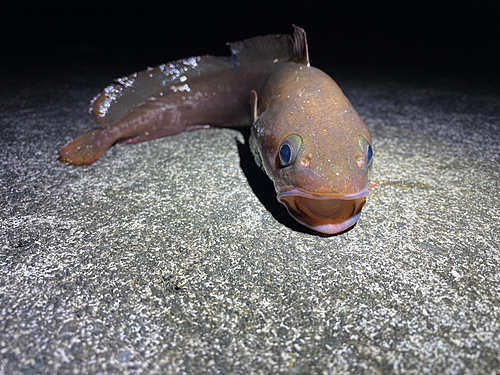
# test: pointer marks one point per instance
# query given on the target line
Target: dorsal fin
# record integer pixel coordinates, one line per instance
(273, 48)
(263, 48)
(300, 45)
(134, 90)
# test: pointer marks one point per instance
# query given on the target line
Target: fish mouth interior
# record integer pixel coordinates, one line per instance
(324, 213)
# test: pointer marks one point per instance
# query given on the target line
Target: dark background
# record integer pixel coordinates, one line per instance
(440, 40)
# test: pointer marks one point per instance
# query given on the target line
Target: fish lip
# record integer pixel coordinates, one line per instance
(346, 209)
(306, 194)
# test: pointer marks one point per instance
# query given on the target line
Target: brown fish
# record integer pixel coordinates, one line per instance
(305, 134)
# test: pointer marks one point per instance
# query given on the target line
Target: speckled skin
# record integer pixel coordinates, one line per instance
(306, 101)
(330, 166)
(326, 186)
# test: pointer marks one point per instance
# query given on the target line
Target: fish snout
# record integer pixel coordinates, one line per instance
(324, 213)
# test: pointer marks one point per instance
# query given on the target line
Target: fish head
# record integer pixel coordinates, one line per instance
(315, 148)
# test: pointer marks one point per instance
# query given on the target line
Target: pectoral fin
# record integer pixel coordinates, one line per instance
(253, 105)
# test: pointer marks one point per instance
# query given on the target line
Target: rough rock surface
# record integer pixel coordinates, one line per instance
(173, 255)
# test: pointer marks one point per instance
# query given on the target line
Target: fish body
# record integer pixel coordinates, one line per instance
(305, 134)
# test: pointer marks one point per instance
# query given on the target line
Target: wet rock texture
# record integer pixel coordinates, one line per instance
(173, 256)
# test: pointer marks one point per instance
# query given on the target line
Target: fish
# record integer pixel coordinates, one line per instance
(304, 132)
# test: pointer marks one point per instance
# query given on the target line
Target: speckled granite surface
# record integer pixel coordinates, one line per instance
(172, 256)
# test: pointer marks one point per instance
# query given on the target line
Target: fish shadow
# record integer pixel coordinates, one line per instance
(264, 190)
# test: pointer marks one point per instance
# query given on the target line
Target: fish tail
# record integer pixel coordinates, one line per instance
(88, 147)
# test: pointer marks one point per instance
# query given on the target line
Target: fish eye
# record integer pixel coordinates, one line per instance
(366, 148)
(289, 149)
(369, 155)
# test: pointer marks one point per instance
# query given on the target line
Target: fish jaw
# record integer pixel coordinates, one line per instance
(329, 214)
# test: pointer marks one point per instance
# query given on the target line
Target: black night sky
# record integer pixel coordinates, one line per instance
(423, 38)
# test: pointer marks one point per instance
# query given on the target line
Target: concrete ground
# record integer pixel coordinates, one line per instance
(172, 256)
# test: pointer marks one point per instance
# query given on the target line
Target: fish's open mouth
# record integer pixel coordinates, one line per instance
(324, 213)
